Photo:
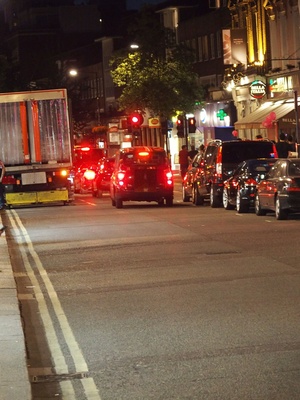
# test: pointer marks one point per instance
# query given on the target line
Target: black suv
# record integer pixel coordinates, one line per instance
(219, 162)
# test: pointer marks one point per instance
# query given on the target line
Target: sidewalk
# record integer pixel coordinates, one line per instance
(14, 380)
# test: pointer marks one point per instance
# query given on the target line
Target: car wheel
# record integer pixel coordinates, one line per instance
(185, 197)
(197, 198)
(241, 205)
(99, 193)
(214, 198)
(169, 201)
(280, 213)
(258, 210)
(226, 203)
(119, 203)
(161, 202)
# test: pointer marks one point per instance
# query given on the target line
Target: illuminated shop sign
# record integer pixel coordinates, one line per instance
(203, 116)
(258, 89)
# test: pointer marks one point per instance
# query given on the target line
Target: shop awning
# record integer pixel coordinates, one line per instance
(255, 119)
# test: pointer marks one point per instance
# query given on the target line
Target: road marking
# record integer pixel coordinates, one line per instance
(61, 366)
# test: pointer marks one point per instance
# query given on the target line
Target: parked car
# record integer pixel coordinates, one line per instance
(101, 182)
(219, 162)
(189, 181)
(142, 173)
(83, 177)
(280, 190)
(240, 189)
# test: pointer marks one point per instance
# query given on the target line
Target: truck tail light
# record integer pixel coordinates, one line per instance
(10, 180)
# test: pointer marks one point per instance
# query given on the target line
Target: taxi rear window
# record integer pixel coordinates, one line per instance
(144, 157)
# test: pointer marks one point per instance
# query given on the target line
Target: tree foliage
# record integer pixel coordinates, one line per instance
(159, 74)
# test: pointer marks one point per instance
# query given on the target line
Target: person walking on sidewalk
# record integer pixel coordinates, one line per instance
(2, 173)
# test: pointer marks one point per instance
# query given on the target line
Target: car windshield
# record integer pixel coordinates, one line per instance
(294, 168)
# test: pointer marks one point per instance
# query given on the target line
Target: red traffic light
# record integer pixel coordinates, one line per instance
(192, 125)
(136, 119)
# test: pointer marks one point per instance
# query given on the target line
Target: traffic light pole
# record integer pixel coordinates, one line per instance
(185, 127)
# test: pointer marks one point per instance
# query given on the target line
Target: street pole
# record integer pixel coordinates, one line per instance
(185, 127)
(297, 119)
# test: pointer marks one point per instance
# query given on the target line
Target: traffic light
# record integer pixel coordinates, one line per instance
(192, 125)
(134, 121)
(164, 126)
(180, 126)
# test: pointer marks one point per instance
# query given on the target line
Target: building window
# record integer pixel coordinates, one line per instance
(212, 46)
(219, 44)
(200, 52)
(205, 48)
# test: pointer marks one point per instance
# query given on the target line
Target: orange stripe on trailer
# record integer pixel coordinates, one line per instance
(36, 131)
(24, 129)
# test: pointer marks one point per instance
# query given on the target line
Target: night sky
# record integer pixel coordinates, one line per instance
(136, 4)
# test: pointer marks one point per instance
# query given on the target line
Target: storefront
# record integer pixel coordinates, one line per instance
(269, 120)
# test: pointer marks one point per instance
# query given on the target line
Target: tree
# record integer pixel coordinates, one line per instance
(159, 74)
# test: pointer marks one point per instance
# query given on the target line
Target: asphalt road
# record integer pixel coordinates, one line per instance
(158, 303)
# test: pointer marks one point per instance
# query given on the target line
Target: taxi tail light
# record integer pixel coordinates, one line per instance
(89, 174)
(121, 176)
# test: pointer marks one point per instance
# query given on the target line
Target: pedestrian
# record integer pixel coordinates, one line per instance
(282, 146)
(291, 143)
(202, 150)
(192, 153)
(183, 160)
(2, 188)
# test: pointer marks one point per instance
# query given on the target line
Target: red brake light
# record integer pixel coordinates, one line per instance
(89, 174)
(144, 153)
(85, 149)
(169, 176)
(121, 175)
(293, 186)
(250, 182)
(219, 163)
